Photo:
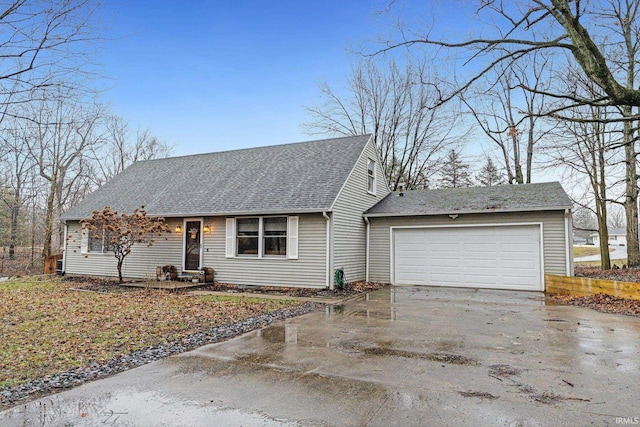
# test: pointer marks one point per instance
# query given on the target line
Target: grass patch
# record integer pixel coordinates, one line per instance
(580, 251)
(46, 328)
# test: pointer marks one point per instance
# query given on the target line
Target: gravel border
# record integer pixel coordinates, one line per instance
(78, 376)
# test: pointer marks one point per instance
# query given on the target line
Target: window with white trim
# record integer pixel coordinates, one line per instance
(273, 236)
(98, 242)
(371, 176)
(248, 236)
(274, 239)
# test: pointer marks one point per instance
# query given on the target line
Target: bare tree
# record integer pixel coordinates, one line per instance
(122, 148)
(398, 107)
(62, 133)
(18, 166)
(586, 148)
(43, 44)
(510, 115)
(615, 216)
(542, 27)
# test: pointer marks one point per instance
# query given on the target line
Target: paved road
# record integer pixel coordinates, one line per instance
(617, 252)
(404, 356)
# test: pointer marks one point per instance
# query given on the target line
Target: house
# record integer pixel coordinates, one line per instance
(290, 215)
(617, 237)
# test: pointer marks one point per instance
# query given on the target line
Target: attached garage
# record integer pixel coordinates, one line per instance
(505, 237)
(498, 256)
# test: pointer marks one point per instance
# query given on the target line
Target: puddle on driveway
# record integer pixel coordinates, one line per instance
(133, 408)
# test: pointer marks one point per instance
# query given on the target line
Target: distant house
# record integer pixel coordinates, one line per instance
(291, 215)
(617, 237)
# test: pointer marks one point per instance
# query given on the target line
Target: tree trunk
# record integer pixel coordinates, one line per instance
(13, 234)
(530, 144)
(48, 222)
(631, 194)
(600, 192)
(603, 234)
(120, 270)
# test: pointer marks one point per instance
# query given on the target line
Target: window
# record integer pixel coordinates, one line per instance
(248, 230)
(262, 236)
(98, 244)
(275, 236)
(371, 176)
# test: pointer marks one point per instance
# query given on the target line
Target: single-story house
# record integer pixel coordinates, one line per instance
(290, 215)
(617, 237)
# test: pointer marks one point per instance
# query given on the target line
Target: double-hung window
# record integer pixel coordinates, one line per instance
(371, 176)
(274, 236)
(98, 242)
(264, 236)
(248, 236)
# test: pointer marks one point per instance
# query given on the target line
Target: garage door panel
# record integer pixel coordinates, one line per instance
(499, 257)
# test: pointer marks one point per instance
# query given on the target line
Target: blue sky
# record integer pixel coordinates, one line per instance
(217, 75)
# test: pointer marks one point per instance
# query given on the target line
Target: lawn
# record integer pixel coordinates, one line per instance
(580, 251)
(47, 328)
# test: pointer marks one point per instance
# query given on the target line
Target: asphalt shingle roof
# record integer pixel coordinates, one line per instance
(499, 198)
(299, 177)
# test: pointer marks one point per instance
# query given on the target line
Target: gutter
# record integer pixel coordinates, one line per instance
(215, 214)
(329, 282)
(467, 211)
(64, 250)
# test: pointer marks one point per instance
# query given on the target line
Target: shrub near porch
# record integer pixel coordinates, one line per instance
(47, 328)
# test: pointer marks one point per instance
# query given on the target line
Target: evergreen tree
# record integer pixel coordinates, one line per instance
(489, 174)
(455, 173)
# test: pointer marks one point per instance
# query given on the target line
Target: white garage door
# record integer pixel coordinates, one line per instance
(498, 257)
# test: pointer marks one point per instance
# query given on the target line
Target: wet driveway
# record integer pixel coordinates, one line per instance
(402, 356)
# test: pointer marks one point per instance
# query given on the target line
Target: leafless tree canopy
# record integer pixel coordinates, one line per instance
(397, 105)
(583, 33)
(43, 43)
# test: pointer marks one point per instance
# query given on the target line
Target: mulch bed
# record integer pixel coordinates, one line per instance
(350, 290)
(620, 274)
(112, 286)
(602, 302)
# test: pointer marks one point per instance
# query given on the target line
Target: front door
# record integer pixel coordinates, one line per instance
(192, 246)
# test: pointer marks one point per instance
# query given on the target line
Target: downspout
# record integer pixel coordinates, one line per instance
(329, 282)
(366, 256)
(569, 256)
(64, 250)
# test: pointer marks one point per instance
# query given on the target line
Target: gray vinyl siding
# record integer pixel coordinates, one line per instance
(349, 229)
(139, 264)
(307, 271)
(554, 240)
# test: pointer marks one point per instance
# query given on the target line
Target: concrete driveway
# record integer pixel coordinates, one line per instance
(402, 356)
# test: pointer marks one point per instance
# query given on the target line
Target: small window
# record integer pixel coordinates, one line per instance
(275, 236)
(371, 176)
(98, 242)
(248, 229)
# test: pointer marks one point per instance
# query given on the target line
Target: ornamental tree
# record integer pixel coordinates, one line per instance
(120, 232)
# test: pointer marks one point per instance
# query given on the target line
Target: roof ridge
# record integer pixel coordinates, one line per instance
(325, 140)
